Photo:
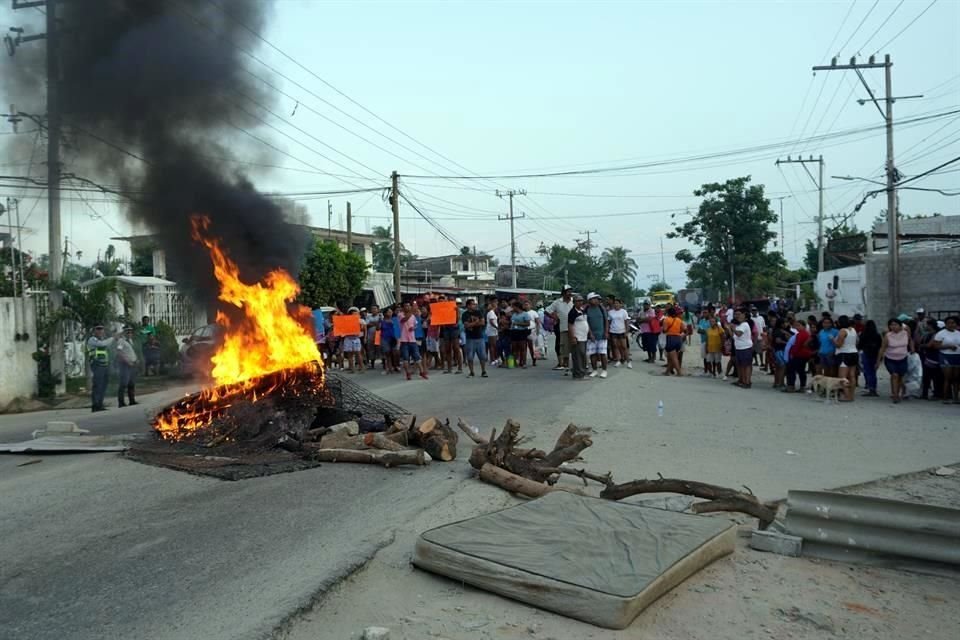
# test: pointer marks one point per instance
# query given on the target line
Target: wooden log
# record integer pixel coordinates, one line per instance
(470, 431)
(402, 424)
(437, 438)
(380, 441)
(341, 440)
(384, 458)
(723, 498)
(518, 484)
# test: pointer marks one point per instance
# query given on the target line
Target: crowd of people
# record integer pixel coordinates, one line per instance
(591, 333)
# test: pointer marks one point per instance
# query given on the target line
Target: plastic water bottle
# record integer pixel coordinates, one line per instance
(659, 408)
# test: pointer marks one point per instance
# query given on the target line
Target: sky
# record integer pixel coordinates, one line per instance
(439, 89)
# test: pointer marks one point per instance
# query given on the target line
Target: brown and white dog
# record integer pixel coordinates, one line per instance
(829, 386)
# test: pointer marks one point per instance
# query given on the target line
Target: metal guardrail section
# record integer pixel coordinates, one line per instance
(851, 523)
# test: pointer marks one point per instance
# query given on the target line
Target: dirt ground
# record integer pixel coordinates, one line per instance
(748, 594)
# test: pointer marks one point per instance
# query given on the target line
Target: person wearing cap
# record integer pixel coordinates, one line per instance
(126, 367)
(560, 310)
(599, 327)
(98, 358)
(578, 331)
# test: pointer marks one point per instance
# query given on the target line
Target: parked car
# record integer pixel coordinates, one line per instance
(196, 350)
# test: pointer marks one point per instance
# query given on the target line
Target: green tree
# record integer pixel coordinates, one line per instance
(617, 261)
(845, 247)
(330, 275)
(732, 229)
(383, 250)
(659, 285)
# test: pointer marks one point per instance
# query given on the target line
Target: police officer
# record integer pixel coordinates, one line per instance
(98, 355)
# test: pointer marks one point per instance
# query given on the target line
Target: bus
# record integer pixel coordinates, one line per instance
(658, 298)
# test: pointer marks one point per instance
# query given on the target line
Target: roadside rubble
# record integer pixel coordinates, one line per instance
(747, 594)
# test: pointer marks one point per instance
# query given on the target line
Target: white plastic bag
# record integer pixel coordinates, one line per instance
(540, 345)
(911, 381)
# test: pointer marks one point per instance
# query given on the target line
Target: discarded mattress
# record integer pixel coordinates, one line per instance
(596, 560)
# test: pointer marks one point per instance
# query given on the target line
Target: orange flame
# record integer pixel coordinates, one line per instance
(267, 338)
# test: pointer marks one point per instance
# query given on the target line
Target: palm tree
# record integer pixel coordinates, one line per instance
(383, 250)
(621, 266)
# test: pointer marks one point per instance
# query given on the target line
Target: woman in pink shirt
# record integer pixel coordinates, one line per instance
(896, 345)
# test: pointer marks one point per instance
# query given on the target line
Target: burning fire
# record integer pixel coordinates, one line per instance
(270, 336)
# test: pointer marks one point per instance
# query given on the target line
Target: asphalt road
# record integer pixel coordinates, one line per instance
(96, 546)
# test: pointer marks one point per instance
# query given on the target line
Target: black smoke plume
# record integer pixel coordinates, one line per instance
(167, 81)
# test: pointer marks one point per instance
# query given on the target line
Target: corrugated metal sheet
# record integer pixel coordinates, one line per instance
(68, 444)
(875, 525)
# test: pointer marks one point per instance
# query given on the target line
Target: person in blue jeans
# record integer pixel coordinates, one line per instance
(827, 354)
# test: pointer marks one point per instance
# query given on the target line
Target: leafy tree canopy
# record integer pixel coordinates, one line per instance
(330, 275)
(731, 228)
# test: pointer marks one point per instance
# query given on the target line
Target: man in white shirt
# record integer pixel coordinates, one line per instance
(560, 311)
(578, 331)
(619, 337)
(492, 332)
(760, 323)
(743, 349)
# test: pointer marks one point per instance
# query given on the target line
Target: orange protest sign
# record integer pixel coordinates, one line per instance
(346, 325)
(376, 337)
(442, 313)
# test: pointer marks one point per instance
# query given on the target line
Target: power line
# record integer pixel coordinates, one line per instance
(686, 159)
(909, 24)
(338, 91)
(877, 30)
(855, 31)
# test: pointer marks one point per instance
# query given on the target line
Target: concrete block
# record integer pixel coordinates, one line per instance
(376, 633)
(776, 542)
(59, 428)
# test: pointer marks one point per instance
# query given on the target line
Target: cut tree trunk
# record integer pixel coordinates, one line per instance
(436, 438)
(384, 458)
(502, 451)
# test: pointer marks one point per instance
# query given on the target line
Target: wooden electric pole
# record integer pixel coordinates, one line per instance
(395, 204)
(511, 218)
(893, 237)
(349, 230)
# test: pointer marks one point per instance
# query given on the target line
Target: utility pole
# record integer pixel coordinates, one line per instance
(349, 230)
(513, 244)
(819, 184)
(893, 233)
(783, 241)
(329, 219)
(395, 205)
(663, 264)
(53, 166)
(589, 244)
(475, 276)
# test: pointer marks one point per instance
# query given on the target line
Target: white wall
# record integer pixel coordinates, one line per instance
(851, 290)
(18, 370)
